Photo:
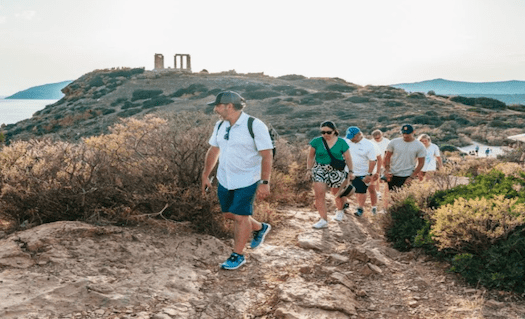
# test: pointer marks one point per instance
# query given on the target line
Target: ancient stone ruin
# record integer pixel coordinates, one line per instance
(182, 62)
(159, 61)
(180, 57)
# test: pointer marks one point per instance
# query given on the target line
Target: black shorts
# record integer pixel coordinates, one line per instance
(360, 186)
(397, 182)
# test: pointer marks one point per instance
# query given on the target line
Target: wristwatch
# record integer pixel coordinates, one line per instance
(370, 174)
(263, 181)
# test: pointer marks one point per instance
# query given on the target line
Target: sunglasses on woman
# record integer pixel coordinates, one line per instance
(327, 132)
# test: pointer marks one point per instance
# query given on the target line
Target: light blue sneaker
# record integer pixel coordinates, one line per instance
(359, 212)
(258, 236)
(235, 261)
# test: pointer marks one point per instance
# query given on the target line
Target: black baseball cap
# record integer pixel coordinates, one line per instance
(226, 97)
(407, 129)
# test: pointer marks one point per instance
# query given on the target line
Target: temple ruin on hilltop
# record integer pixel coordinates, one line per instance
(181, 62)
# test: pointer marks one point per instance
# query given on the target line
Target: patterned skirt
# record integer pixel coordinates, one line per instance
(325, 173)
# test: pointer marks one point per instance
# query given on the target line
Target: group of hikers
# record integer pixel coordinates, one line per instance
(347, 165)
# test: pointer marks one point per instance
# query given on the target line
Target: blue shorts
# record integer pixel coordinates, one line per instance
(237, 201)
(360, 186)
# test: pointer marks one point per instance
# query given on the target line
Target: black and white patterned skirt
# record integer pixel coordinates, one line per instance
(325, 173)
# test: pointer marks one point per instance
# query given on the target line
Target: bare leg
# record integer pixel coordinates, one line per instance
(361, 198)
(254, 223)
(339, 202)
(242, 231)
(320, 202)
(373, 194)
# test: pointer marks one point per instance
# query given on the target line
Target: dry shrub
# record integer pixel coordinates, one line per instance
(144, 168)
(474, 225)
(289, 180)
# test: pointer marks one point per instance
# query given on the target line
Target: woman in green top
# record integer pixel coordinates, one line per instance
(323, 175)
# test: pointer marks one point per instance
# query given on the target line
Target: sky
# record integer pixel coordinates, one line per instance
(377, 42)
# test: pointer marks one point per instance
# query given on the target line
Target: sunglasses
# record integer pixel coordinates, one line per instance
(227, 135)
(327, 132)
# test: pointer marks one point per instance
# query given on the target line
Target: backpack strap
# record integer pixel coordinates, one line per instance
(250, 126)
(218, 127)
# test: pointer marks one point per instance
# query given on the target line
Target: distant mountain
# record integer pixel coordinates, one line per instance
(42, 92)
(446, 87)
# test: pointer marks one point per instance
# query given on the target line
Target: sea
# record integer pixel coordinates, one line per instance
(12, 111)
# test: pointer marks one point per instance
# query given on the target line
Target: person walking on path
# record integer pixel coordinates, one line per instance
(433, 160)
(487, 151)
(402, 155)
(364, 158)
(382, 142)
(324, 175)
(244, 170)
(477, 150)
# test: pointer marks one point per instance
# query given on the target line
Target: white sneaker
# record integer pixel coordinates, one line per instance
(320, 224)
(339, 216)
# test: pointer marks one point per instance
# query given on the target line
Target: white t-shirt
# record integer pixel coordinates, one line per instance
(362, 153)
(239, 158)
(404, 156)
(430, 159)
(382, 145)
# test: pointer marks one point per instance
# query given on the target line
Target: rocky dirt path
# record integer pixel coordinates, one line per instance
(75, 270)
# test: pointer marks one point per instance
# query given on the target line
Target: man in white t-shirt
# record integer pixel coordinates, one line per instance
(245, 164)
(381, 142)
(364, 160)
(404, 159)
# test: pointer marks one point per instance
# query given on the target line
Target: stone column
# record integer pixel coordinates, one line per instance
(159, 61)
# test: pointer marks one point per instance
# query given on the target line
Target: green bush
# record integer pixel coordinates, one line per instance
(156, 101)
(341, 88)
(501, 266)
(260, 95)
(144, 94)
(406, 219)
(480, 102)
(484, 186)
(479, 228)
(192, 89)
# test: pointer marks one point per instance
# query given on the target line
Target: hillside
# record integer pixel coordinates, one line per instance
(446, 87)
(42, 92)
(293, 104)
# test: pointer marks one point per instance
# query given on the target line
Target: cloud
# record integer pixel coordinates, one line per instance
(26, 15)
(3, 20)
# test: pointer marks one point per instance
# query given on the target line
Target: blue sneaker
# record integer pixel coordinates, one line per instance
(235, 261)
(359, 212)
(258, 236)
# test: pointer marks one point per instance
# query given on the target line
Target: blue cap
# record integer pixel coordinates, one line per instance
(352, 131)
(407, 129)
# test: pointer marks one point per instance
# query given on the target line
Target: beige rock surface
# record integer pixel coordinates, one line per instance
(76, 270)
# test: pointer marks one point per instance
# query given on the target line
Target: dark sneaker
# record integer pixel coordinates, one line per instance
(235, 261)
(258, 236)
(359, 212)
(348, 190)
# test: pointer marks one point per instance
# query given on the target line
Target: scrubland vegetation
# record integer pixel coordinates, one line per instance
(147, 170)
(478, 227)
(144, 170)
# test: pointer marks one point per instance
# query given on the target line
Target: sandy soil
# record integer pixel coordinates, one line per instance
(76, 270)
